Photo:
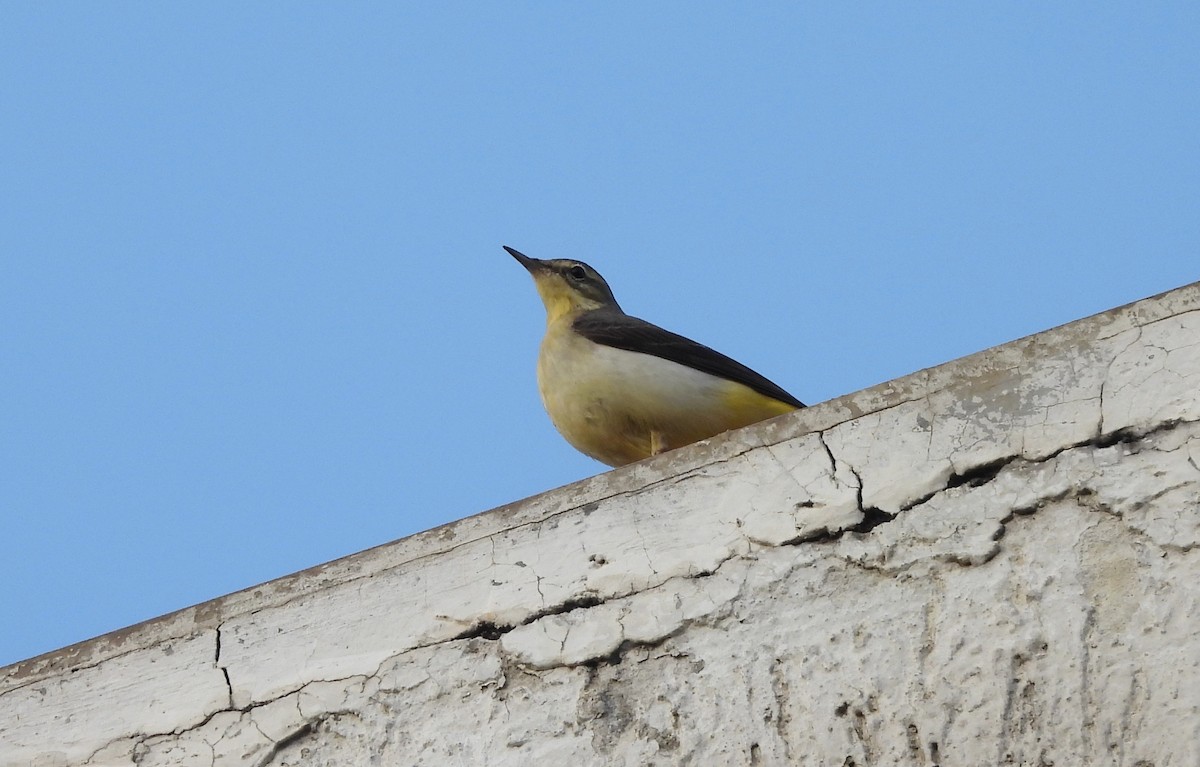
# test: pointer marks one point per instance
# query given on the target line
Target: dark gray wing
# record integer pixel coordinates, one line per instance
(619, 330)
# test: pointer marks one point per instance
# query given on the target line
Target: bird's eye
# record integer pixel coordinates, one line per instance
(577, 272)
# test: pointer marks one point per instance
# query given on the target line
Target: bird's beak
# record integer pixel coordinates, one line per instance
(532, 264)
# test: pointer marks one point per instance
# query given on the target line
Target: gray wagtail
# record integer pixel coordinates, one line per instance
(620, 389)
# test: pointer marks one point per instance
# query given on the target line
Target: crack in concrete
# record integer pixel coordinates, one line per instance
(492, 631)
(872, 517)
(974, 476)
(277, 746)
(995, 469)
(1085, 496)
(830, 456)
(984, 473)
(107, 658)
(1108, 374)
(224, 669)
(139, 740)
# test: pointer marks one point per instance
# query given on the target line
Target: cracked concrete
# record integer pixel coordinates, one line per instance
(989, 562)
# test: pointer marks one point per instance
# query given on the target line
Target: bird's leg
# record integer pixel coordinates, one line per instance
(658, 442)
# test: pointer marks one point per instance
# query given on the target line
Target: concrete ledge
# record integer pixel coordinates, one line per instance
(990, 561)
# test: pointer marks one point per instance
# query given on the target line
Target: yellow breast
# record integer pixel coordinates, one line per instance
(618, 406)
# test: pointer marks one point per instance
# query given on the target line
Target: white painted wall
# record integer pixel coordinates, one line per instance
(990, 562)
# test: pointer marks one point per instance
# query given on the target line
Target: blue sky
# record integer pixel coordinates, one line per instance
(254, 313)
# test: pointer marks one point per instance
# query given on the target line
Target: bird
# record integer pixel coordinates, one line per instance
(620, 389)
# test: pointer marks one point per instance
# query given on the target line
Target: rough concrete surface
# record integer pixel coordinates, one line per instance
(992, 562)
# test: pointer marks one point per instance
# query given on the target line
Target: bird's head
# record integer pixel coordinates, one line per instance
(567, 287)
